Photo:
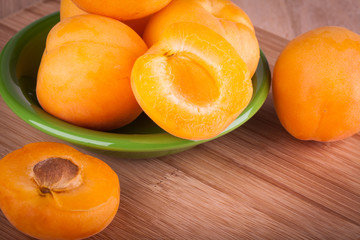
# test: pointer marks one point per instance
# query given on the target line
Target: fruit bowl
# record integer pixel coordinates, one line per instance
(19, 62)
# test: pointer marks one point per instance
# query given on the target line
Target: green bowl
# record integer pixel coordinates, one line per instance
(19, 62)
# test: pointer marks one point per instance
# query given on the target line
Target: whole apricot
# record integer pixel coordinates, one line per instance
(52, 191)
(192, 82)
(69, 9)
(122, 9)
(222, 16)
(316, 85)
(84, 75)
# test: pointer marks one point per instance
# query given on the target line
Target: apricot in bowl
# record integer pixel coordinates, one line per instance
(69, 9)
(84, 74)
(142, 138)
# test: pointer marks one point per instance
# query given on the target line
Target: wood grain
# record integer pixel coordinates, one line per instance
(254, 183)
(8, 7)
(288, 18)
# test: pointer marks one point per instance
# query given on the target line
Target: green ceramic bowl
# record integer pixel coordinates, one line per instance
(19, 62)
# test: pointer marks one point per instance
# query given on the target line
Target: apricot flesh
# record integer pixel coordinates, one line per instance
(122, 9)
(84, 75)
(192, 82)
(222, 16)
(316, 85)
(52, 191)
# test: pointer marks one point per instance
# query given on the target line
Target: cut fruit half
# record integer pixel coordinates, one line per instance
(192, 82)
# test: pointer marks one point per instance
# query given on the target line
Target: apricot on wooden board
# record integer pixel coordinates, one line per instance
(122, 9)
(52, 191)
(222, 16)
(192, 82)
(69, 9)
(84, 75)
(316, 85)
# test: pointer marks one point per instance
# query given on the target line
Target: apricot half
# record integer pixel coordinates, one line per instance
(222, 16)
(192, 82)
(52, 191)
(316, 85)
(122, 9)
(84, 75)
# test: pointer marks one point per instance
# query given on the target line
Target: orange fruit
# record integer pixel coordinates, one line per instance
(192, 82)
(52, 191)
(316, 85)
(84, 75)
(222, 16)
(69, 9)
(122, 9)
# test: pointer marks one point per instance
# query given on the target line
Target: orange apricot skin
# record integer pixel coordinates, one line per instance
(222, 16)
(122, 9)
(77, 214)
(316, 85)
(69, 9)
(84, 75)
(189, 56)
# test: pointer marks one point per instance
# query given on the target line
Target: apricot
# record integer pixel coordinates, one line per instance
(52, 191)
(122, 9)
(222, 16)
(192, 82)
(84, 75)
(316, 85)
(69, 9)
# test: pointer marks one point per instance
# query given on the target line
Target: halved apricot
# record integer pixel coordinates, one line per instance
(52, 191)
(192, 82)
(222, 16)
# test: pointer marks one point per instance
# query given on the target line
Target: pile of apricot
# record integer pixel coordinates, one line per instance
(186, 63)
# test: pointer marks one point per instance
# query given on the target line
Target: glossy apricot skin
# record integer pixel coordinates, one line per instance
(316, 85)
(69, 9)
(192, 82)
(222, 16)
(76, 214)
(84, 75)
(122, 9)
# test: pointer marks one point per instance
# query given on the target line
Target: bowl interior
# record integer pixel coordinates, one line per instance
(20, 60)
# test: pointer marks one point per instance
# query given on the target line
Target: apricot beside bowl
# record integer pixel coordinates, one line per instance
(19, 62)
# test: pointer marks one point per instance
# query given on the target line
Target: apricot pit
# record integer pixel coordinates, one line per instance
(57, 175)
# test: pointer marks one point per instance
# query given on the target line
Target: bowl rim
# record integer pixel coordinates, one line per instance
(108, 140)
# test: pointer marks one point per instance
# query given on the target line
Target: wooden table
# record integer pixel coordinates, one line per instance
(257, 182)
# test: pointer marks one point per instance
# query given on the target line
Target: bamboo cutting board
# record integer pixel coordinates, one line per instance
(254, 183)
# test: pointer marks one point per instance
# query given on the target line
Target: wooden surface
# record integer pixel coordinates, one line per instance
(254, 183)
(8, 7)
